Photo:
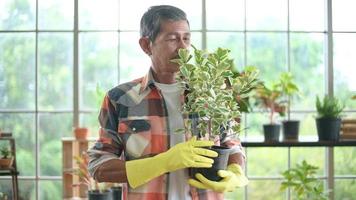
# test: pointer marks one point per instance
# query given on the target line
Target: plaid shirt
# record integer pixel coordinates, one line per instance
(134, 121)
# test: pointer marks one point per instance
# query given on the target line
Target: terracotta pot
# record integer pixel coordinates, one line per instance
(6, 162)
(81, 133)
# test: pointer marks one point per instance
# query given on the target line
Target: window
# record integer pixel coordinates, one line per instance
(54, 54)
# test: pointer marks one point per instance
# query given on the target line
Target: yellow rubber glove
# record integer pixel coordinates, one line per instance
(182, 155)
(233, 178)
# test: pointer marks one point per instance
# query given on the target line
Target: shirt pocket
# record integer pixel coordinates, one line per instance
(137, 136)
(134, 126)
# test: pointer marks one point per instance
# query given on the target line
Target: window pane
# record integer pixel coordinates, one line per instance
(307, 60)
(17, 70)
(307, 18)
(343, 13)
(345, 68)
(345, 161)
(90, 120)
(232, 41)
(313, 156)
(55, 14)
(225, 14)
(268, 52)
(26, 189)
(307, 127)
(134, 63)
(55, 64)
(237, 194)
(266, 15)
(274, 161)
(22, 127)
(196, 39)
(255, 123)
(98, 64)
(17, 15)
(50, 190)
(265, 189)
(98, 15)
(52, 127)
(344, 189)
(131, 20)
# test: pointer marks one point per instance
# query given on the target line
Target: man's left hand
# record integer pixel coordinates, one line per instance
(233, 177)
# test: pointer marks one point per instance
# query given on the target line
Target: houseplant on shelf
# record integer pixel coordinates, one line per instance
(328, 119)
(6, 158)
(269, 98)
(289, 90)
(210, 104)
(96, 191)
(301, 180)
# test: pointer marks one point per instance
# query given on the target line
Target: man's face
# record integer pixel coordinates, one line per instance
(172, 36)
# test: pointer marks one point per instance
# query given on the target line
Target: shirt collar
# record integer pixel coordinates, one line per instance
(147, 81)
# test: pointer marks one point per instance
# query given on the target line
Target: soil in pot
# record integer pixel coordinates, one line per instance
(271, 132)
(97, 195)
(328, 128)
(290, 130)
(220, 163)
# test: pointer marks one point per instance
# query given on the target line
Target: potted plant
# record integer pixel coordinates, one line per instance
(210, 104)
(269, 98)
(81, 133)
(301, 180)
(328, 121)
(6, 158)
(96, 191)
(243, 95)
(288, 89)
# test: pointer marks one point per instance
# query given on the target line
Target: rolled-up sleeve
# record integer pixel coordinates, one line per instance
(234, 143)
(109, 145)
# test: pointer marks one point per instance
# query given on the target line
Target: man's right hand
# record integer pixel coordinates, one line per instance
(188, 154)
(182, 155)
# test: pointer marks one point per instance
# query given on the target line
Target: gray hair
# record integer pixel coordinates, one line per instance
(153, 17)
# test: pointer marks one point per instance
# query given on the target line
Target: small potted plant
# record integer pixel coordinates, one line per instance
(81, 133)
(96, 191)
(210, 104)
(328, 121)
(288, 89)
(6, 158)
(302, 182)
(269, 98)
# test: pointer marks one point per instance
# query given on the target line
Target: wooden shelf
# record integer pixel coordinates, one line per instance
(70, 148)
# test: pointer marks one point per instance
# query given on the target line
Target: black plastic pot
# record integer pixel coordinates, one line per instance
(97, 195)
(116, 193)
(328, 128)
(271, 132)
(290, 129)
(220, 163)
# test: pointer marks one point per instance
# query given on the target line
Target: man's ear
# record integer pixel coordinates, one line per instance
(145, 45)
